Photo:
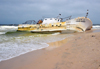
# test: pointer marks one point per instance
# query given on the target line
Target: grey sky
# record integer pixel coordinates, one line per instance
(19, 11)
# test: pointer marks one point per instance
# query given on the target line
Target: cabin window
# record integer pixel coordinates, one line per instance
(80, 20)
(52, 25)
(45, 19)
(83, 20)
(55, 19)
(50, 18)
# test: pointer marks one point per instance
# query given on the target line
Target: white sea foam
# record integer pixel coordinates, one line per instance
(56, 33)
(2, 32)
(96, 27)
(5, 29)
(9, 52)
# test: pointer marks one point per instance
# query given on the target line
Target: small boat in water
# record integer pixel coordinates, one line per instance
(5, 29)
(79, 24)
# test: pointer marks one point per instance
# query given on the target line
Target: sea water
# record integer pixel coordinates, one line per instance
(17, 43)
(96, 26)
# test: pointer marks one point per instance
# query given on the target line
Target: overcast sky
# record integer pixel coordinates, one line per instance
(19, 11)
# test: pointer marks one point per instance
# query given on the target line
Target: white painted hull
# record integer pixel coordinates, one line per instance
(81, 26)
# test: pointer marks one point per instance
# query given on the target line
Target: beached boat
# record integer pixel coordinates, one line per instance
(79, 24)
(5, 29)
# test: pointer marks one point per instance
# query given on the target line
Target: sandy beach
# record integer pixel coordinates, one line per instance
(81, 51)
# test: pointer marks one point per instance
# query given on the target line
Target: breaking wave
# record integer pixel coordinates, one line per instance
(5, 29)
(96, 27)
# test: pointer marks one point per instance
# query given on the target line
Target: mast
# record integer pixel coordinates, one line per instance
(86, 13)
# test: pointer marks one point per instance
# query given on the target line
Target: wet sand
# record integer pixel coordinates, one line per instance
(81, 51)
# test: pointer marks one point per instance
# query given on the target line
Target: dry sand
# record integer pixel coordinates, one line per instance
(81, 51)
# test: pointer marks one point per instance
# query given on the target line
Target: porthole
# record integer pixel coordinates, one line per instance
(60, 24)
(45, 19)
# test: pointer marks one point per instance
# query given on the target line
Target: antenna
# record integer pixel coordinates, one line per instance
(86, 13)
(70, 17)
(58, 15)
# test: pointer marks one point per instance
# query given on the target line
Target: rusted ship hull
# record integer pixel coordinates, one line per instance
(79, 24)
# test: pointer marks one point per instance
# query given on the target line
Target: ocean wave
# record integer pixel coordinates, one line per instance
(15, 44)
(96, 27)
(5, 29)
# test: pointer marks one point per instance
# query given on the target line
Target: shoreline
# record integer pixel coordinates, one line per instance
(75, 52)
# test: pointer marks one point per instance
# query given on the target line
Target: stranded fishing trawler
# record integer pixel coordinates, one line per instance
(79, 24)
